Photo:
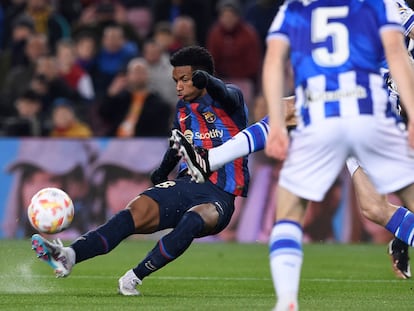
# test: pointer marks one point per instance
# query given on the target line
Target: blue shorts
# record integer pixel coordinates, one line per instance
(175, 197)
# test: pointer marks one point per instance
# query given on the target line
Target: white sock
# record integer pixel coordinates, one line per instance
(286, 257)
(71, 255)
(352, 164)
(229, 151)
(249, 140)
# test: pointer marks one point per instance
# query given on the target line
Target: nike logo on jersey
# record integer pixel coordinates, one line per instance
(184, 118)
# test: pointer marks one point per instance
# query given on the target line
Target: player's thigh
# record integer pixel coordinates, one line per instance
(316, 156)
(176, 197)
(406, 195)
(290, 206)
(145, 213)
(384, 154)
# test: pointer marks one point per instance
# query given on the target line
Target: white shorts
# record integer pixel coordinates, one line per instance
(318, 152)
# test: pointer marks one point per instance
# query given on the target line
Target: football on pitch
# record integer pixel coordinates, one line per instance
(51, 210)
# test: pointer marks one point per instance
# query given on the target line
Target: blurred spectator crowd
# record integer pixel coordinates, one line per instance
(85, 68)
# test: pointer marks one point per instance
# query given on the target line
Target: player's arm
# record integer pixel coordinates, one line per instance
(218, 90)
(168, 163)
(274, 69)
(402, 72)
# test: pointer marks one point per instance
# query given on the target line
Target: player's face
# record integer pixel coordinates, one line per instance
(184, 85)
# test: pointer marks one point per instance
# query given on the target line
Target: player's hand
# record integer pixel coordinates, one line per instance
(118, 84)
(200, 79)
(277, 143)
(158, 176)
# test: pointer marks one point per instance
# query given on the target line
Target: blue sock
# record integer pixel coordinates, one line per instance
(256, 134)
(401, 225)
(105, 238)
(171, 245)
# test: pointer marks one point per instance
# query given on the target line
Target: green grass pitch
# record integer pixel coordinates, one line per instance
(209, 276)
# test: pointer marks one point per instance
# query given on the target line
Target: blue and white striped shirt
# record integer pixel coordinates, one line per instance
(336, 53)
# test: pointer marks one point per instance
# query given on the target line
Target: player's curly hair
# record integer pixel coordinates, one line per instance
(198, 57)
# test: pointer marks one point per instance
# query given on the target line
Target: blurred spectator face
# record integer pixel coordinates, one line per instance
(164, 38)
(85, 48)
(183, 30)
(105, 11)
(65, 56)
(63, 117)
(228, 18)
(113, 39)
(152, 52)
(47, 67)
(37, 5)
(28, 108)
(21, 33)
(141, 20)
(137, 74)
(36, 47)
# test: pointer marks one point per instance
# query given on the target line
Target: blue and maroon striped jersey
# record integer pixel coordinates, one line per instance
(206, 123)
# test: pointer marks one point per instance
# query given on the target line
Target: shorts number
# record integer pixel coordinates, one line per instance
(323, 29)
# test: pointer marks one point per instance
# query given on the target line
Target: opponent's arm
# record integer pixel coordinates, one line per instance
(402, 73)
(273, 77)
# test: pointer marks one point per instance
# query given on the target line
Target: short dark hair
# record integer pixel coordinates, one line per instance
(198, 57)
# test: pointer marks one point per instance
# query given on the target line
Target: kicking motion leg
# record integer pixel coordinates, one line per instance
(202, 162)
(141, 216)
(94, 243)
(398, 220)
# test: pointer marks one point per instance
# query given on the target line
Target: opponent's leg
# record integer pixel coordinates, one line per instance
(398, 220)
(285, 249)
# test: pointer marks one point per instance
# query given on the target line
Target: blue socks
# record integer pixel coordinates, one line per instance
(256, 134)
(171, 245)
(105, 238)
(401, 225)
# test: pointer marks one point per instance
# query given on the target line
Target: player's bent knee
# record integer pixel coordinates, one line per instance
(209, 214)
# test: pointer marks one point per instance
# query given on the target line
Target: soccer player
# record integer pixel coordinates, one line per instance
(209, 112)
(335, 48)
(254, 137)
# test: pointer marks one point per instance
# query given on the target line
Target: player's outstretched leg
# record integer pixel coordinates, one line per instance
(398, 251)
(196, 158)
(60, 258)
